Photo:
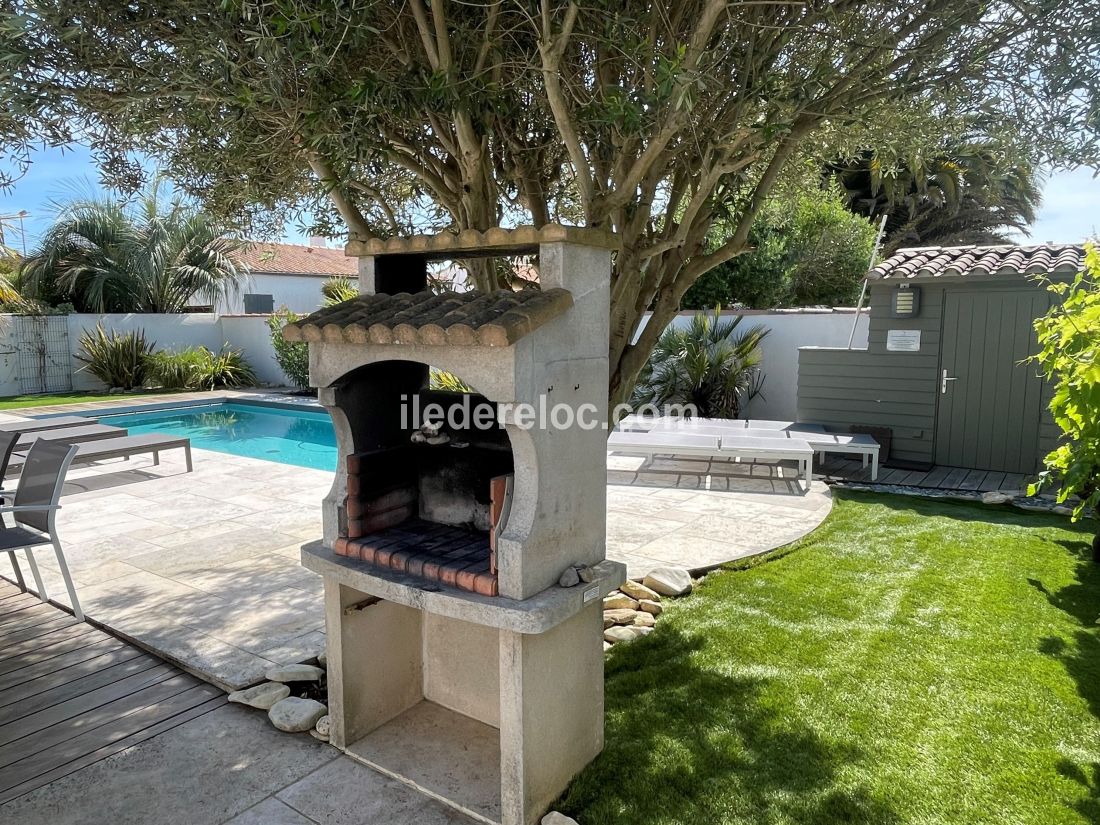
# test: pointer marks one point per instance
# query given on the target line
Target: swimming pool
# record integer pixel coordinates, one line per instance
(297, 436)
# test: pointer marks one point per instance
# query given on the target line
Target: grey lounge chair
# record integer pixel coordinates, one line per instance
(34, 511)
(124, 447)
(33, 425)
(72, 435)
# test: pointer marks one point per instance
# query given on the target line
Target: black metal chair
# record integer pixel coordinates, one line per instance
(34, 512)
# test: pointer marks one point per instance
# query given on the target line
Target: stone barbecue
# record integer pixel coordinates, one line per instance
(457, 663)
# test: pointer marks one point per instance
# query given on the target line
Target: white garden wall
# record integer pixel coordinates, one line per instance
(790, 329)
(248, 333)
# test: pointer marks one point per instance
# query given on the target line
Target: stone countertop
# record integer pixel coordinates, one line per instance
(536, 615)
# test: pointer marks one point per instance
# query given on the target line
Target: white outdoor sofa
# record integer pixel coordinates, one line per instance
(819, 441)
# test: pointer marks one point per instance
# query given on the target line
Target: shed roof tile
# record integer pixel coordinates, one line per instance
(960, 261)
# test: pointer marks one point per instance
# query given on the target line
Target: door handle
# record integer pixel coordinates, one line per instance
(946, 378)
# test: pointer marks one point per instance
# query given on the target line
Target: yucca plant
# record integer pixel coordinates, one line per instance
(711, 364)
(118, 360)
(338, 289)
(442, 380)
(227, 368)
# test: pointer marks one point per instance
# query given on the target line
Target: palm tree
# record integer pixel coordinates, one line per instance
(967, 194)
(145, 255)
(710, 364)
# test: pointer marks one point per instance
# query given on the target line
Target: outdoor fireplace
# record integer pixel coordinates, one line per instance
(456, 662)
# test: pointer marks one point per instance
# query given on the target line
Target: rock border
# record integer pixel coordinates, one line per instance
(990, 498)
(632, 611)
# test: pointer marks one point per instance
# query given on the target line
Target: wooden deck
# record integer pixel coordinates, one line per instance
(938, 478)
(71, 694)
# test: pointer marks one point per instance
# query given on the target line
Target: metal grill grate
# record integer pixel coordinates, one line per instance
(42, 351)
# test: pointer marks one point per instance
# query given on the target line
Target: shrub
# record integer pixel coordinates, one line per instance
(292, 356)
(175, 370)
(1069, 337)
(197, 368)
(118, 360)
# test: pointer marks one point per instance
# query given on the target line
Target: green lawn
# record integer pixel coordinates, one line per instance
(910, 662)
(15, 402)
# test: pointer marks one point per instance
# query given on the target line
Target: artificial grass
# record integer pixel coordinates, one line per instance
(909, 662)
(15, 402)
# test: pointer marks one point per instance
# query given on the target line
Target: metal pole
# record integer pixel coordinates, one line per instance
(863, 289)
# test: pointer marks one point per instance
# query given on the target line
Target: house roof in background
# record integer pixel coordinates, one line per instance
(960, 261)
(296, 259)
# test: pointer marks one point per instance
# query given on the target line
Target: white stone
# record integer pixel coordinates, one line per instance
(261, 696)
(651, 607)
(554, 818)
(619, 601)
(996, 497)
(324, 725)
(669, 581)
(637, 590)
(295, 715)
(643, 620)
(622, 615)
(619, 633)
(295, 673)
(569, 577)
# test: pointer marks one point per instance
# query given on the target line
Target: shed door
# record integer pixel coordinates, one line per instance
(988, 416)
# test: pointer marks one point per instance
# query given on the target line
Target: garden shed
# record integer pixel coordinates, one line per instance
(945, 368)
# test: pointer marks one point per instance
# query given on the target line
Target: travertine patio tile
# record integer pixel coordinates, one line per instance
(204, 567)
(693, 551)
(141, 590)
(203, 554)
(304, 647)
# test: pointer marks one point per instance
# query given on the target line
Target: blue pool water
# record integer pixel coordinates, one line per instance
(289, 436)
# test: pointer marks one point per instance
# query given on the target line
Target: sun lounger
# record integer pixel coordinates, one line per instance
(125, 447)
(71, 435)
(715, 445)
(34, 425)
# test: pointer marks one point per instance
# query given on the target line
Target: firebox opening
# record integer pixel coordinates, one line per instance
(427, 481)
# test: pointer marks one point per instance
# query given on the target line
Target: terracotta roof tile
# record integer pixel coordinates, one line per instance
(295, 259)
(496, 319)
(960, 261)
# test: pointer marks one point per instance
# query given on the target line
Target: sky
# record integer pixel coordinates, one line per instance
(1070, 211)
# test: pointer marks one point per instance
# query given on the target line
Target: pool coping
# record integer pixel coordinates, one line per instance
(277, 398)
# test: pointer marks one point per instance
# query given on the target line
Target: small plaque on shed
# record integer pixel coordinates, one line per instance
(903, 340)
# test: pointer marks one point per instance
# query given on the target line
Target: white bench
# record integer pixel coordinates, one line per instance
(813, 434)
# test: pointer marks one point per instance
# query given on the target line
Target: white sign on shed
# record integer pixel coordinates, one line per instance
(903, 340)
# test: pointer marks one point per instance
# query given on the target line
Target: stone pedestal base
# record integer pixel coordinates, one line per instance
(490, 719)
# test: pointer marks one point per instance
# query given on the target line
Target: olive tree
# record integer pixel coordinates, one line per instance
(653, 119)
